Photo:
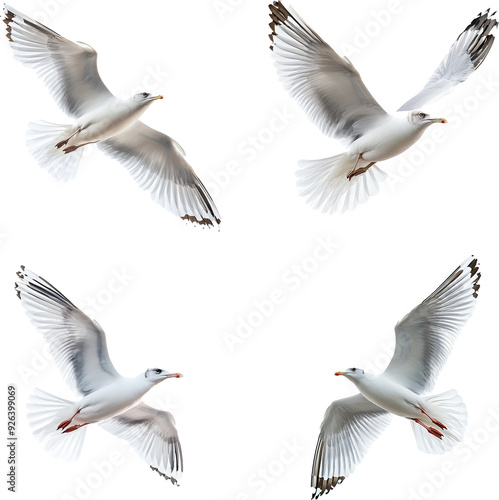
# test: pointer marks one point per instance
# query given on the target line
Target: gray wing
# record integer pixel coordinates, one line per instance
(349, 428)
(466, 54)
(326, 85)
(153, 435)
(425, 337)
(156, 162)
(77, 344)
(68, 69)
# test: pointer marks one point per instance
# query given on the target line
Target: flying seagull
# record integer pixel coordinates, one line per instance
(424, 340)
(331, 92)
(78, 346)
(69, 69)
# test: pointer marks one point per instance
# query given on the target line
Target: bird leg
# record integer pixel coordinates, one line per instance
(63, 143)
(352, 170)
(431, 430)
(65, 423)
(434, 420)
(359, 171)
(70, 149)
(73, 428)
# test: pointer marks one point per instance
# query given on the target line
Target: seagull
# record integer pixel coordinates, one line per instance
(424, 339)
(78, 346)
(333, 95)
(69, 70)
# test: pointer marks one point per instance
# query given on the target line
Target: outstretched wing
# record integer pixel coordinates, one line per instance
(153, 435)
(156, 162)
(77, 344)
(466, 54)
(327, 86)
(68, 69)
(425, 337)
(349, 428)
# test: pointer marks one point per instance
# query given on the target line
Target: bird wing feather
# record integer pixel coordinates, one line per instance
(327, 86)
(153, 435)
(349, 428)
(425, 336)
(68, 69)
(465, 56)
(77, 343)
(156, 162)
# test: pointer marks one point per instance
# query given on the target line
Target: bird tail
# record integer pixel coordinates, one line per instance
(449, 409)
(45, 413)
(326, 187)
(41, 139)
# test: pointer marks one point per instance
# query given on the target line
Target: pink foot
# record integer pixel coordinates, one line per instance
(359, 171)
(65, 423)
(431, 430)
(73, 428)
(434, 420)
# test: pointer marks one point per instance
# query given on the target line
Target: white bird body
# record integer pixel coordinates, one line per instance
(108, 120)
(390, 395)
(78, 346)
(110, 400)
(391, 136)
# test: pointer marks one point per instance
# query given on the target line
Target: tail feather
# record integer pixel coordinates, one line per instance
(450, 410)
(41, 139)
(325, 185)
(45, 413)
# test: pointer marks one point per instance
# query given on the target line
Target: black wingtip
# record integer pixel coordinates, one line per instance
(203, 222)
(325, 485)
(279, 14)
(9, 17)
(20, 274)
(474, 272)
(482, 41)
(168, 478)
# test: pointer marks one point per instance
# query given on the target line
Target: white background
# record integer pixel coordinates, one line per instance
(186, 289)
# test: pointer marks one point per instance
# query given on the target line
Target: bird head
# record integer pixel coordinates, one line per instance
(145, 98)
(352, 373)
(156, 375)
(421, 119)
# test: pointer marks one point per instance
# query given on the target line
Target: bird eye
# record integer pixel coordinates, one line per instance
(145, 94)
(422, 115)
(354, 369)
(157, 370)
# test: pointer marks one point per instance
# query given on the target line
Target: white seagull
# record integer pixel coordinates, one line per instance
(69, 69)
(424, 339)
(78, 346)
(331, 92)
